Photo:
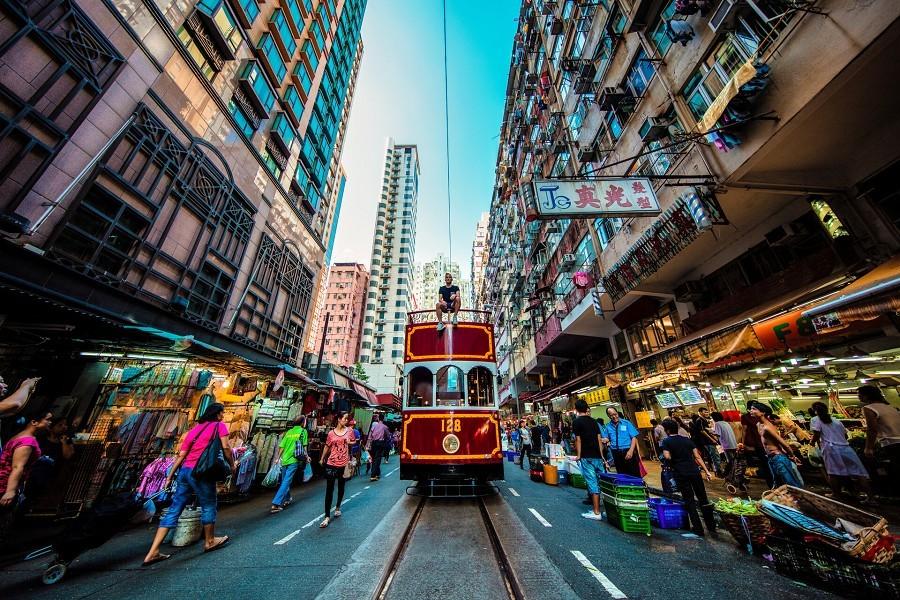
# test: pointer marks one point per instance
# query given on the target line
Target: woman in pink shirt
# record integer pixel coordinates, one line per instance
(19, 454)
(335, 457)
(195, 442)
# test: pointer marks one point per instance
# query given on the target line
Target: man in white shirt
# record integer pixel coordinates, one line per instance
(525, 440)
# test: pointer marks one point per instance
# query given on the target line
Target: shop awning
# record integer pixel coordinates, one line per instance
(388, 401)
(873, 294)
(564, 387)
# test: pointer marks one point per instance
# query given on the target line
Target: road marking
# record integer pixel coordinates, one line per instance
(356, 494)
(392, 472)
(608, 585)
(514, 492)
(538, 516)
(287, 538)
(310, 524)
(367, 487)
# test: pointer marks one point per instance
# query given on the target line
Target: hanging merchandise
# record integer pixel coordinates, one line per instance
(154, 476)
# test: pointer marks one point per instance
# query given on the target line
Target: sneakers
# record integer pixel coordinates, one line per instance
(592, 516)
(440, 326)
(453, 319)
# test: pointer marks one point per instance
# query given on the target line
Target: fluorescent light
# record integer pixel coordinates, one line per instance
(773, 380)
(859, 359)
(822, 359)
(157, 357)
(794, 360)
(887, 372)
(108, 354)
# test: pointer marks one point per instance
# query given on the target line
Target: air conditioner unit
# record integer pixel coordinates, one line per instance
(568, 262)
(584, 85)
(654, 128)
(721, 16)
(608, 97)
(378, 347)
(588, 154)
(376, 361)
(784, 234)
(690, 291)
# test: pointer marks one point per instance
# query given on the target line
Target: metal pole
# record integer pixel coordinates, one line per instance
(322, 343)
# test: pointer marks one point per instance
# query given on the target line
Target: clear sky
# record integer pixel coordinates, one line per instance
(400, 93)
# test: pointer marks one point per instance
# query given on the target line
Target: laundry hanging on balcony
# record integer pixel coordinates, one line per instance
(679, 31)
(734, 105)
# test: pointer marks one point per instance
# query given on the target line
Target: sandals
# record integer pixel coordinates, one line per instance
(218, 546)
(275, 510)
(324, 523)
(156, 559)
(337, 513)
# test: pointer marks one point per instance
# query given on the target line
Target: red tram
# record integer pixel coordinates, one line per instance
(451, 422)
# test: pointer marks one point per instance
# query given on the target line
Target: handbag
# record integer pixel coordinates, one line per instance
(299, 450)
(348, 469)
(211, 466)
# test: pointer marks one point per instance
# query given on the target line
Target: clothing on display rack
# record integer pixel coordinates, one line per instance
(245, 458)
(150, 431)
(154, 476)
(266, 445)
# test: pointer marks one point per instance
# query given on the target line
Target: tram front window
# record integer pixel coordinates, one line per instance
(481, 387)
(450, 391)
(421, 388)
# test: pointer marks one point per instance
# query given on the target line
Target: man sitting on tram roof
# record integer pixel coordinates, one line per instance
(449, 300)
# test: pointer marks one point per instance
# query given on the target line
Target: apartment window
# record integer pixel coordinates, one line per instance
(311, 55)
(243, 123)
(224, 22)
(556, 53)
(559, 167)
(399, 303)
(304, 78)
(366, 345)
(370, 319)
(270, 51)
(576, 119)
(606, 229)
(370, 306)
(650, 334)
(194, 50)
(621, 344)
(396, 353)
(284, 32)
(398, 340)
(261, 87)
(367, 331)
(640, 73)
(250, 9)
(658, 36)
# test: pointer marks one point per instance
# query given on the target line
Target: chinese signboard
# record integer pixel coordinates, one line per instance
(597, 396)
(607, 197)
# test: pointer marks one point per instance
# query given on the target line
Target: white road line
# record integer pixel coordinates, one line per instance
(356, 494)
(394, 471)
(608, 585)
(541, 519)
(287, 538)
(310, 524)
(514, 492)
(367, 487)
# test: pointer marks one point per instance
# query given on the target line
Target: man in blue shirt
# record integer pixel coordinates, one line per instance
(622, 438)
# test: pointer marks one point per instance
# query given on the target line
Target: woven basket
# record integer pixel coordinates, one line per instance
(759, 527)
(827, 510)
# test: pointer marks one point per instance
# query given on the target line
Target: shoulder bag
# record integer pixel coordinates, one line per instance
(212, 466)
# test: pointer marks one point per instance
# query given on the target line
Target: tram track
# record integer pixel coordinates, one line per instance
(470, 522)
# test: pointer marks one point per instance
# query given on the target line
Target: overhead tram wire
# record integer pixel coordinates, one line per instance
(447, 139)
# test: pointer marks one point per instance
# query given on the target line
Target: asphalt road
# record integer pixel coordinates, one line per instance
(665, 566)
(274, 556)
(270, 556)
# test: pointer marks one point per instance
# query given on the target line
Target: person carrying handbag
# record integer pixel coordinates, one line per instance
(293, 457)
(335, 458)
(204, 459)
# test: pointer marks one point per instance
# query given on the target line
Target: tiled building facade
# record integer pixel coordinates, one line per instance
(172, 161)
(344, 304)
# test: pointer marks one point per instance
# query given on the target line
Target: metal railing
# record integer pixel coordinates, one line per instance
(465, 316)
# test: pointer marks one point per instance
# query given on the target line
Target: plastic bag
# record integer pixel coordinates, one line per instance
(307, 472)
(366, 458)
(273, 477)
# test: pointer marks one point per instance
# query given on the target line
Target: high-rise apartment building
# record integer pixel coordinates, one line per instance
(170, 160)
(343, 306)
(479, 259)
(430, 277)
(393, 256)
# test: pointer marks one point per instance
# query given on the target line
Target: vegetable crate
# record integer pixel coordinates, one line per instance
(629, 520)
(667, 514)
(829, 568)
(758, 526)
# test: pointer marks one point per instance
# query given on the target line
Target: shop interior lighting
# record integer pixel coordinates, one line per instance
(821, 360)
(859, 359)
(887, 372)
(794, 360)
(104, 354)
(773, 380)
(157, 357)
(759, 370)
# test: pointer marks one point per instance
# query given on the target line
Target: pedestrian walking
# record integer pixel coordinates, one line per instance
(659, 434)
(622, 436)
(686, 464)
(208, 426)
(780, 455)
(751, 444)
(17, 458)
(882, 430)
(589, 451)
(841, 462)
(524, 446)
(293, 457)
(378, 444)
(727, 440)
(705, 439)
(335, 457)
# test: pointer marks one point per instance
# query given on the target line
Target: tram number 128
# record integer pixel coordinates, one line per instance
(451, 424)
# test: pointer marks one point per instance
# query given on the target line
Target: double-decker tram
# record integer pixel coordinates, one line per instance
(451, 423)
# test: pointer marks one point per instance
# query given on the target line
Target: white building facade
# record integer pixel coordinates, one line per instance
(389, 296)
(479, 259)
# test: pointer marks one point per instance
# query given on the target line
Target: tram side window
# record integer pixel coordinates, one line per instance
(450, 381)
(481, 387)
(421, 387)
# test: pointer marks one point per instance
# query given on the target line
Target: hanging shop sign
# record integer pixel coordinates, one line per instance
(788, 330)
(595, 396)
(674, 231)
(606, 197)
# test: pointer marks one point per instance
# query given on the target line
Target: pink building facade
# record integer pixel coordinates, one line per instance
(345, 303)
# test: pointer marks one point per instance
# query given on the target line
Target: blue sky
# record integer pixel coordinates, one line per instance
(400, 93)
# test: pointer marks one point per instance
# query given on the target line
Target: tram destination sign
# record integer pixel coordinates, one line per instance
(583, 198)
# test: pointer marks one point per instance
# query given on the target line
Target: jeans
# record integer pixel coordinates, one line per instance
(763, 464)
(714, 460)
(377, 453)
(524, 451)
(784, 471)
(187, 486)
(284, 490)
(332, 474)
(693, 491)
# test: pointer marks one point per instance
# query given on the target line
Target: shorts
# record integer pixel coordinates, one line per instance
(449, 308)
(590, 470)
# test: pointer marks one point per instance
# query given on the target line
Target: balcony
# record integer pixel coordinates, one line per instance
(258, 92)
(219, 27)
(283, 133)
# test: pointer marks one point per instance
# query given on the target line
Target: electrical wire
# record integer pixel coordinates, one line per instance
(447, 140)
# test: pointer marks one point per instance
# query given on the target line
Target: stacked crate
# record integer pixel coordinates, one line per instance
(625, 500)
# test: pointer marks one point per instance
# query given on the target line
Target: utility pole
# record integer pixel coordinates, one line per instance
(322, 343)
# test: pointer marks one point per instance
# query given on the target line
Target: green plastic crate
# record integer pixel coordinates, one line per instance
(633, 503)
(629, 520)
(623, 491)
(577, 480)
